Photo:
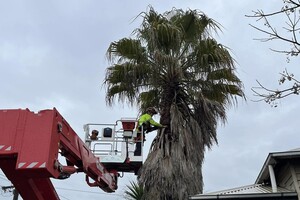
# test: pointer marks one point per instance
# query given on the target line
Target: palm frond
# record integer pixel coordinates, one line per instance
(126, 50)
(134, 191)
(148, 99)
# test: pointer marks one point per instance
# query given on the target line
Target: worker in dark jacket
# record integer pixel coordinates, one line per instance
(94, 135)
(146, 124)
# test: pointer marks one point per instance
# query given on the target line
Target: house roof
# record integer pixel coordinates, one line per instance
(249, 192)
(259, 190)
(254, 188)
(274, 158)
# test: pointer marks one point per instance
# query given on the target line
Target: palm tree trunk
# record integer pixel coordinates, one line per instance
(172, 163)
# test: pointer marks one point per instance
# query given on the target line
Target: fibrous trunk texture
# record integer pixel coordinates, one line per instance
(173, 168)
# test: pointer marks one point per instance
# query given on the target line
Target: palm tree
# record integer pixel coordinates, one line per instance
(174, 64)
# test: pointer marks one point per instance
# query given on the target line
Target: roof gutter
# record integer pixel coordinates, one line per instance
(247, 196)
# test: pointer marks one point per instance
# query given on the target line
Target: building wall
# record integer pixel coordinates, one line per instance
(284, 176)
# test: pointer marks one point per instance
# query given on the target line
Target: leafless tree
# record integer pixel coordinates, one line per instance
(288, 33)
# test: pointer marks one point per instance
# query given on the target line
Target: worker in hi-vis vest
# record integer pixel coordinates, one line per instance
(146, 124)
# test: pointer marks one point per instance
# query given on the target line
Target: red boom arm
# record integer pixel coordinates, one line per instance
(29, 147)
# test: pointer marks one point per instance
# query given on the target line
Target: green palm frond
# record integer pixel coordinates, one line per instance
(224, 74)
(134, 191)
(148, 99)
(126, 50)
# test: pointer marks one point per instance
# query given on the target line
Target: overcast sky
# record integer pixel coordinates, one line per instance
(52, 54)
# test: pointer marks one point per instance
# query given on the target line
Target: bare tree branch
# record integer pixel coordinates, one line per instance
(271, 96)
(291, 25)
(291, 12)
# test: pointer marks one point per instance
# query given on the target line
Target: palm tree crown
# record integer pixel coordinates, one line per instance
(174, 64)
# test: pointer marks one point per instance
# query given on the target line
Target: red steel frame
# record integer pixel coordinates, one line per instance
(29, 147)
